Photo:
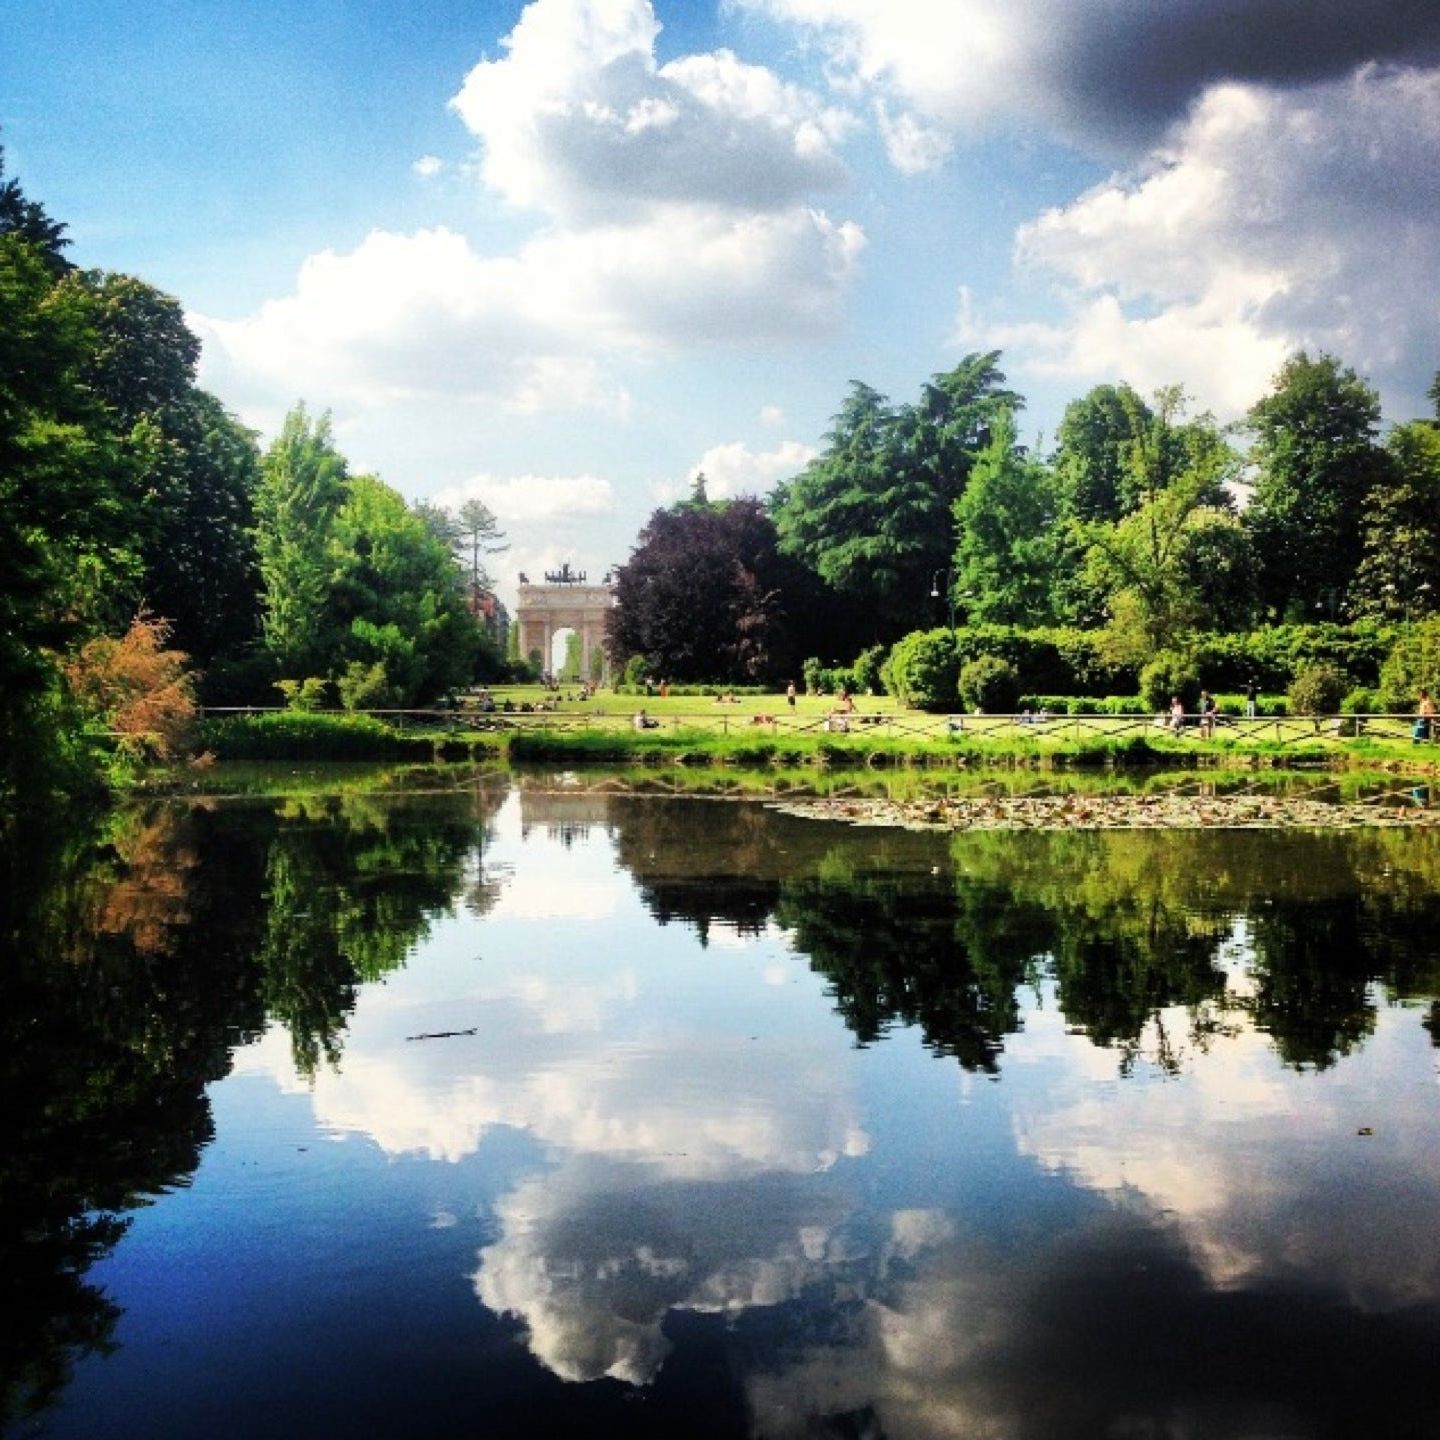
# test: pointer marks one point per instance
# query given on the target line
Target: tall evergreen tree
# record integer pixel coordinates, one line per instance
(302, 485)
(872, 515)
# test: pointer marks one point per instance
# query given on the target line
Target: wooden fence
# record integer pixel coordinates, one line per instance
(913, 725)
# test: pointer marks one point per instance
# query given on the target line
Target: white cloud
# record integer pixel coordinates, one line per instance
(549, 383)
(1269, 223)
(534, 499)
(735, 469)
(912, 145)
(428, 166)
(772, 415)
(405, 316)
(593, 1258)
(577, 119)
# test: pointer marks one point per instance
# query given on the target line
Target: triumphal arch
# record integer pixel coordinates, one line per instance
(566, 601)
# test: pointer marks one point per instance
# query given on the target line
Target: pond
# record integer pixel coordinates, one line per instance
(533, 1107)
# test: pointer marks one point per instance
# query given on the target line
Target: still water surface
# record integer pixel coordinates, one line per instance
(523, 1111)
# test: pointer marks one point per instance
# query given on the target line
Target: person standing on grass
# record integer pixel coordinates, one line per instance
(1207, 715)
(1177, 715)
(1252, 695)
(1425, 717)
(790, 694)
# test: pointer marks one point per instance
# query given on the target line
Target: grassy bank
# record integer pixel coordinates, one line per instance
(298, 738)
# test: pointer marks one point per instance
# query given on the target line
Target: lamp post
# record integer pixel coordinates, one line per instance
(949, 591)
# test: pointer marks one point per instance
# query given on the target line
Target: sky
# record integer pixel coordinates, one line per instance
(563, 255)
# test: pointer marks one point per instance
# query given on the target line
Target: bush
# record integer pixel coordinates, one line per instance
(1413, 664)
(990, 684)
(634, 673)
(867, 670)
(1274, 654)
(924, 670)
(1361, 701)
(304, 695)
(1318, 690)
(140, 691)
(1167, 675)
(301, 735)
(367, 687)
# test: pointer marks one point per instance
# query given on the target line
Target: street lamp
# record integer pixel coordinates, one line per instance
(949, 590)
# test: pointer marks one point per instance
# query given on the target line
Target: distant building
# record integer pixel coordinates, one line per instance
(487, 607)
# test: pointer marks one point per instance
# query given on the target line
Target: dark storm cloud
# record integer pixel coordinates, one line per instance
(1129, 68)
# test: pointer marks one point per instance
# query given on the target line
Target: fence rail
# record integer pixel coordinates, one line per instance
(1282, 730)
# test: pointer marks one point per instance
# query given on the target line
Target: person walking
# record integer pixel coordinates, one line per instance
(1208, 710)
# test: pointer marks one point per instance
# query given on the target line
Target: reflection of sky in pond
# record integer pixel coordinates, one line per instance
(660, 1157)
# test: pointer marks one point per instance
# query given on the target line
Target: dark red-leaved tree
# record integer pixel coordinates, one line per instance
(707, 596)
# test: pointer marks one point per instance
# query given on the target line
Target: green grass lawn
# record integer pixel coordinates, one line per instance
(763, 730)
(880, 716)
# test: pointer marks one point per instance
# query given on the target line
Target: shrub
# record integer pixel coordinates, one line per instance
(141, 691)
(1167, 675)
(367, 687)
(1361, 701)
(635, 671)
(1413, 664)
(990, 684)
(304, 695)
(1318, 690)
(868, 668)
(300, 735)
(924, 670)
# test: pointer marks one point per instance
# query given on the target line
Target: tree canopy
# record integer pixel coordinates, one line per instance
(707, 595)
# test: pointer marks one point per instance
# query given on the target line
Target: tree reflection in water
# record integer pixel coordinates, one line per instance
(1128, 925)
(141, 953)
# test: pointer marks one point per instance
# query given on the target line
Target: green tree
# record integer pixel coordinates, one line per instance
(871, 515)
(1093, 470)
(1398, 577)
(302, 485)
(194, 469)
(477, 533)
(1318, 467)
(393, 598)
(1006, 552)
(27, 219)
(1153, 564)
(64, 519)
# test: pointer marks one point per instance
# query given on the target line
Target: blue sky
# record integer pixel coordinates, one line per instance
(560, 255)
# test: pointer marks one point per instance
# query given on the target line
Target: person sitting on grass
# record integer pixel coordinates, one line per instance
(641, 721)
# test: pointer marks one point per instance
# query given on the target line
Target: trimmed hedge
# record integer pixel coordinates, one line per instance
(309, 735)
